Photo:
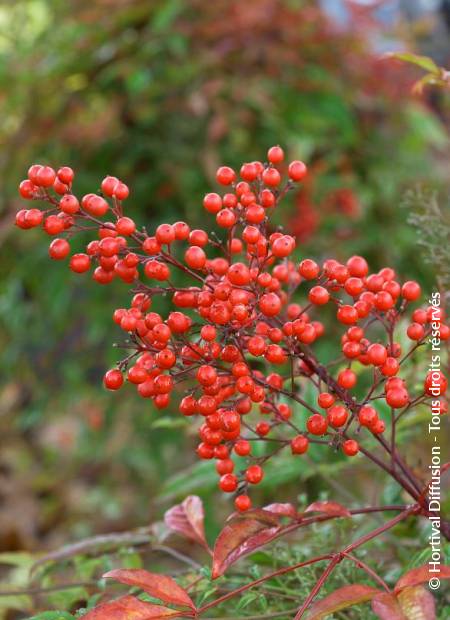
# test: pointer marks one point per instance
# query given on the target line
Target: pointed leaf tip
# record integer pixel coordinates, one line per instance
(159, 586)
(130, 608)
(187, 519)
(333, 509)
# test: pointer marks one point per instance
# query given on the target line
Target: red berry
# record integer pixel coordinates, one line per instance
(297, 171)
(325, 400)
(195, 257)
(283, 246)
(242, 447)
(350, 447)
(59, 249)
(377, 354)
(317, 424)
(165, 234)
(308, 269)
(79, 263)
(225, 175)
(411, 291)
(299, 445)
(249, 172)
(121, 191)
(113, 379)
(275, 155)
(271, 177)
(212, 202)
(69, 204)
(367, 415)
(357, 266)
(108, 185)
(254, 474)
(125, 226)
(415, 331)
(319, 295)
(228, 483)
(347, 315)
(243, 503)
(45, 176)
(337, 416)
(27, 189)
(270, 304)
(397, 397)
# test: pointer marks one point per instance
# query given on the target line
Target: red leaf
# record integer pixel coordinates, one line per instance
(387, 607)
(284, 510)
(341, 599)
(259, 514)
(417, 603)
(159, 586)
(420, 575)
(333, 509)
(130, 608)
(187, 519)
(239, 538)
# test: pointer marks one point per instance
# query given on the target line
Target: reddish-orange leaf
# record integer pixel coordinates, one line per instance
(259, 514)
(284, 510)
(387, 607)
(131, 608)
(159, 586)
(239, 538)
(341, 599)
(417, 603)
(333, 509)
(420, 575)
(187, 519)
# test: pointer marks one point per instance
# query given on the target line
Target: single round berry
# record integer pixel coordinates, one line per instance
(317, 424)
(350, 447)
(275, 155)
(299, 445)
(254, 474)
(228, 483)
(297, 171)
(59, 249)
(411, 291)
(243, 503)
(113, 379)
(225, 175)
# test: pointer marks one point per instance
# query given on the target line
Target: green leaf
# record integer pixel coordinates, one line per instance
(420, 61)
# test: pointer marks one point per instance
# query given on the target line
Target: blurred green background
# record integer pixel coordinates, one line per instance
(160, 93)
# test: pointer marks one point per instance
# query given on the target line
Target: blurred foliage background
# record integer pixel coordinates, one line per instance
(160, 93)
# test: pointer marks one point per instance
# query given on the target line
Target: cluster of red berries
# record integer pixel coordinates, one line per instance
(237, 334)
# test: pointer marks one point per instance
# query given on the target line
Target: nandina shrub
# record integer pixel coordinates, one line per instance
(238, 349)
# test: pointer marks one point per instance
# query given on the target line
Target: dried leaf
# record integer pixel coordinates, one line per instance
(341, 599)
(417, 603)
(387, 607)
(130, 608)
(159, 586)
(333, 509)
(187, 519)
(239, 538)
(420, 575)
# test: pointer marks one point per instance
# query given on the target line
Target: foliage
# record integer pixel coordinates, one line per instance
(432, 226)
(434, 76)
(276, 595)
